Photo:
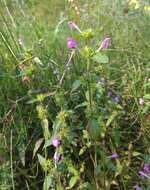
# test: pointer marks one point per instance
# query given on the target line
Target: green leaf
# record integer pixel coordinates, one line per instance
(42, 161)
(94, 129)
(117, 137)
(147, 96)
(21, 150)
(47, 182)
(72, 182)
(119, 168)
(32, 101)
(37, 146)
(76, 85)
(82, 150)
(135, 153)
(45, 127)
(83, 104)
(111, 118)
(100, 58)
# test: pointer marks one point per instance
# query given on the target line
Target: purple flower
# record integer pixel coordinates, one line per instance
(145, 172)
(114, 156)
(56, 142)
(72, 25)
(136, 187)
(56, 157)
(116, 99)
(105, 44)
(143, 175)
(146, 168)
(71, 43)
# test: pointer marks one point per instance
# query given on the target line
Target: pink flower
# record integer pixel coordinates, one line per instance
(71, 43)
(105, 44)
(73, 26)
(114, 156)
(56, 142)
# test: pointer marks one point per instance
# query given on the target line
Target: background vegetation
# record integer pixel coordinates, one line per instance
(96, 105)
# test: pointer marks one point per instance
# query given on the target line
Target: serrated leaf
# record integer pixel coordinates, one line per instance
(100, 58)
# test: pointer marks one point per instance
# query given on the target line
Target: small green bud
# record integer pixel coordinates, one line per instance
(40, 97)
(42, 113)
(88, 34)
(86, 52)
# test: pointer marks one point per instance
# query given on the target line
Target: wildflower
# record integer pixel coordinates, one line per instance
(141, 101)
(26, 79)
(145, 172)
(56, 142)
(148, 79)
(116, 99)
(114, 156)
(71, 43)
(73, 26)
(146, 168)
(105, 44)
(136, 187)
(143, 175)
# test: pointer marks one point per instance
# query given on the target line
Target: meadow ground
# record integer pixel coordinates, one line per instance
(75, 94)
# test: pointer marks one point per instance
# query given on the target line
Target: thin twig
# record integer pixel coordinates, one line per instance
(66, 67)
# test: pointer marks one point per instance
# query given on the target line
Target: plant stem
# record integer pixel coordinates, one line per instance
(89, 86)
(11, 162)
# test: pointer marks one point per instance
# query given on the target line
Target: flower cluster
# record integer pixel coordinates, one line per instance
(72, 44)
